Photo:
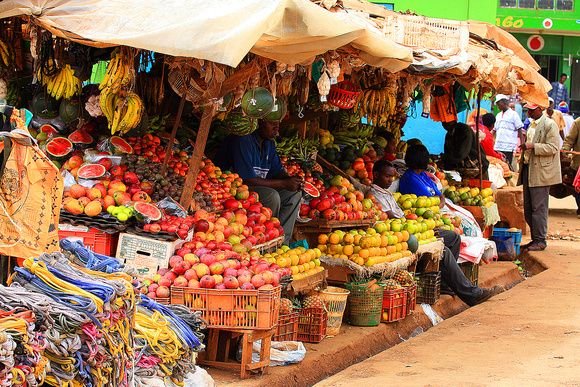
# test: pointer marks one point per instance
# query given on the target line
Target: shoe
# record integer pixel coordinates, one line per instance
(537, 246)
(524, 247)
(489, 293)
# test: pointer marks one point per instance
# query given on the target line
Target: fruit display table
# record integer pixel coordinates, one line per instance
(221, 345)
(343, 270)
(312, 229)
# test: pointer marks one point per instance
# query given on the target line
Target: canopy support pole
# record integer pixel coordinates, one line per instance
(196, 158)
(169, 150)
(479, 96)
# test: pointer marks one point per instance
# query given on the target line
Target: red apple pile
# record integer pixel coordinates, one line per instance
(150, 147)
(341, 202)
(171, 224)
(220, 185)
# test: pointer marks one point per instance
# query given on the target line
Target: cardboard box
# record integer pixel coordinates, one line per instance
(146, 255)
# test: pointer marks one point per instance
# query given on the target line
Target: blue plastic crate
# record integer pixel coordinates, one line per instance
(503, 232)
(506, 246)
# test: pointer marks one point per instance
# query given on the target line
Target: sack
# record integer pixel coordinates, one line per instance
(281, 352)
(31, 190)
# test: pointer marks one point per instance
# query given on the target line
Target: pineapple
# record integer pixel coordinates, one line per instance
(286, 306)
(313, 301)
(391, 284)
(404, 278)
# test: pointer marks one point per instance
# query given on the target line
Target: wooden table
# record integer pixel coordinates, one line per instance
(221, 345)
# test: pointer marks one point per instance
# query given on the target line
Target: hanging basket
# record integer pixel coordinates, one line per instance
(344, 95)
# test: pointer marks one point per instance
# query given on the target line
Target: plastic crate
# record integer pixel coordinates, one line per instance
(287, 328)
(428, 287)
(312, 325)
(163, 300)
(233, 309)
(471, 271)
(364, 305)
(411, 298)
(503, 232)
(394, 305)
(96, 240)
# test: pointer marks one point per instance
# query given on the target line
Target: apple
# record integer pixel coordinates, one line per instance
(153, 287)
(220, 287)
(258, 280)
(162, 292)
(234, 263)
(180, 281)
(165, 281)
(268, 277)
(218, 278)
(247, 286)
(191, 274)
(201, 269)
(175, 260)
(231, 282)
(216, 268)
(207, 282)
(266, 287)
(181, 268)
(230, 271)
(182, 252)
(208, 259)
(193, 284)
(261, 267)
(170, 275)
(191, 258)
(152, 295)
(201, 226)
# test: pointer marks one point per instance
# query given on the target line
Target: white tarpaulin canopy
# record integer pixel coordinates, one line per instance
(223, 31)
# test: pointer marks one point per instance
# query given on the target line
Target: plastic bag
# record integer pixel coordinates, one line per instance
(68, 179)
(171, 207)
(198, 378)
(281, 352)
(506, 247)
(93, 157)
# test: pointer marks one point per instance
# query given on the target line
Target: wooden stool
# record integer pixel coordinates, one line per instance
(219, 350)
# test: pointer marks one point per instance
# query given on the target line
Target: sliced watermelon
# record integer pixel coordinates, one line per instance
(91, 171)
(311, 190)
(48, 129)
(147, 211)
(81, 137)
(120, 145)
(59, 147)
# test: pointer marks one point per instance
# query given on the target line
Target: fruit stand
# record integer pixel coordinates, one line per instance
(132, 133)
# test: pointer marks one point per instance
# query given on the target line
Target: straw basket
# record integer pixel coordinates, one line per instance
(335, 301)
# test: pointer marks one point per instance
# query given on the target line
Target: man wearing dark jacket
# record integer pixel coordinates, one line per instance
(460, 149)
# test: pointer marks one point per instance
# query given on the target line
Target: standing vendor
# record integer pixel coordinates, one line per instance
(255, 159)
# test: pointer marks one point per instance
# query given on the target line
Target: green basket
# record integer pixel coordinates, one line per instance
(364, 305)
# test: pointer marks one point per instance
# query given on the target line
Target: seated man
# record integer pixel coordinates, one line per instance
(255, 159)
(452, 275)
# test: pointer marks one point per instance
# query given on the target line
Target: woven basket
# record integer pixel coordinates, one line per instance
(335, 301)
(344, 95)
(364, 305)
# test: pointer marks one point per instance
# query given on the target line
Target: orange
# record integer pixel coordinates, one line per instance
(364, 253)
(334, 238)
(405, 235)
(322, 239)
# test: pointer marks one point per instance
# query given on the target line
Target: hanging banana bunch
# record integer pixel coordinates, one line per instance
(377, 106)
(123, 110)
(62, 84)
(120, 72)
(6, 57)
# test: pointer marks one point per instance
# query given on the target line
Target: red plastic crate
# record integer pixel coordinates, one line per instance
(394, 305)
(312, 325)
(96, 240)
(411, 298)
(287, 328)
(233, 309)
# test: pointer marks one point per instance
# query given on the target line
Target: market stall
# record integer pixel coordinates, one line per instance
(150, 224)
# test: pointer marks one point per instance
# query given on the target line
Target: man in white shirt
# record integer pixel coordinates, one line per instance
(508, 128)
(568, 119)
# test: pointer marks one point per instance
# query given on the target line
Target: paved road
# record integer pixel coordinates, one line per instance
(527, 336)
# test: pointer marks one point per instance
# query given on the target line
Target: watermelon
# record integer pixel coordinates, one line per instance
(238, 124)
(59, 147)
(257, 102)
(44, 106)
(311, 190)
(413, 243)
(278, 111)
(48, 129)
(91, 171)
(69, 110)
(120, 145)
(147, 211)
(81, 137)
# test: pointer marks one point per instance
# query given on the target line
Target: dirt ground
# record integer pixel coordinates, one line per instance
(529, 335)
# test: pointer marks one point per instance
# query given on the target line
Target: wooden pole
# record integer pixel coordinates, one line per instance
(479, 95)
(196, 158)
(169, 150)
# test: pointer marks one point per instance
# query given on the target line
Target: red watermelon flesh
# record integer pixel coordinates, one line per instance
(59, 147)
(147, 210)
(48, 129)
(91, 171)
(121, 145)
(311, 190)
(80, 136)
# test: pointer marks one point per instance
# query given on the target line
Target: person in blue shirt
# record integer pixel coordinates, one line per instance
(255, 159)
(416, 181)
